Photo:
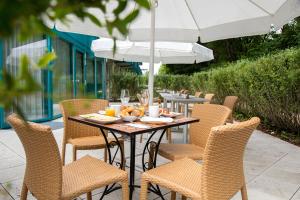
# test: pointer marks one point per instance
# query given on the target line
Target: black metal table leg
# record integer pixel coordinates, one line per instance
(151, 148)
(132, 165)
(108, 189)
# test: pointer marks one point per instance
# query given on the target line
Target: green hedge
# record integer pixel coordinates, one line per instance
(268, 87)
(125, 80)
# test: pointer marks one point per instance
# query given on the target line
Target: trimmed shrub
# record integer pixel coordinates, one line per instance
(268, 87)
(124, 80)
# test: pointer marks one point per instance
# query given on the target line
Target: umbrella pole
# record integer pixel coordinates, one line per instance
(152, 48)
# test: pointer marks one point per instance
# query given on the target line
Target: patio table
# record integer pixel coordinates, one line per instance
(175, 98)
(131, 132)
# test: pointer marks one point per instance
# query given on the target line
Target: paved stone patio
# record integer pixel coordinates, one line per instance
(272, 166)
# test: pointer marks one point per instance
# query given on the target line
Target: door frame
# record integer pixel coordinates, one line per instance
(75, 49)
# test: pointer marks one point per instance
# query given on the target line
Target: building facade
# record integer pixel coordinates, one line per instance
(76, 72)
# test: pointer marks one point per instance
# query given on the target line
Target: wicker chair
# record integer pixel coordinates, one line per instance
(210, 115)
(230, 102)
(81, 136)
(220, 176)
(208, 97)
(198, 94)
(46, 178)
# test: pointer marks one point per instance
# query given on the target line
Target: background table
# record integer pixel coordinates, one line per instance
(175, 98)
(131, 132)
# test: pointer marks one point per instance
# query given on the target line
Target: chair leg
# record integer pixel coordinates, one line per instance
(141, 138)
(124, 163)
(125, 192)
(24, 192)
(144, 189)
(63, 153)
(173, 195)
(151, 156)
(105, 154)
(244, 193)
(89, 196)
(169, 135)
(74, 153)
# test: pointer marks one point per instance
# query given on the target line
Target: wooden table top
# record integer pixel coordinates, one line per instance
(124, 128)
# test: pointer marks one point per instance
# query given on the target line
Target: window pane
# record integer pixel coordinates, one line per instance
(79, 75)
(99, 79)
(34, 106)
(62, 73)
(90, 78)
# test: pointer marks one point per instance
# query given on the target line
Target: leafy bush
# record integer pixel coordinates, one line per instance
(268, 87)
(124, 80)
(172, 82)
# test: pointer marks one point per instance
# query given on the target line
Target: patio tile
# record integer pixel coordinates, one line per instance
(13, 173)
(270, 188)
(10, 162)
(4, 195)
(5, 152)
(296, 195)
(14, 188)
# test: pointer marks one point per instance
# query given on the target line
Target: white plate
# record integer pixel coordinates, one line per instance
(102, 119)
(171, 114)
(101, 112)
(156, 120)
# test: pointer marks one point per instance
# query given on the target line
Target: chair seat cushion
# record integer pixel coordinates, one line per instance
(87, 174)
(179, 151)
(90, 142)
(183, 176)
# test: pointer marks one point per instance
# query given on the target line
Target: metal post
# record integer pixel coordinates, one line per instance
(132, 165)
(152, 48)
(185, 129)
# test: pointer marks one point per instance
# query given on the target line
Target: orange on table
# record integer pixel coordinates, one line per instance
(110, 112)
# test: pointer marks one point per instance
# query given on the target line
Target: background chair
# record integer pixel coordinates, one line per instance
(46, 178)
(210, 115)
(198, 94)
(230, 102)
(81, 136)
(208, 97)
(220, 176)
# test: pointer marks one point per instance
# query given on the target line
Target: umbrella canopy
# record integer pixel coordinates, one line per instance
(186, 20)
(165, 52)
(193, 20)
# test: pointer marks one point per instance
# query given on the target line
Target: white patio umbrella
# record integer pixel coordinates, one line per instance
(165, 52)
(190, 20)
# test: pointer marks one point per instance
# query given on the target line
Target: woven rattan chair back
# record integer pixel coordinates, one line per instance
(78, 107)
(198, 94)
(230, 101)
(222, 171)
(210, 115)
(209, 98)
(43, 175)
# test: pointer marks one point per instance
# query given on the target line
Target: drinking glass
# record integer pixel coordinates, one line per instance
(110, 112)
(145, 98)
(125, 96)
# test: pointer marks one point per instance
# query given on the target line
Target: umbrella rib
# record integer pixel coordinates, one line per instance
(188, 6)
(257, 5)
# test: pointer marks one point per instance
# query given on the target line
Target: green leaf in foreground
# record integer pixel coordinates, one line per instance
(46, 59)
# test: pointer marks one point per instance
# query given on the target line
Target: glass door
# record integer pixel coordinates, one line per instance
(79, 82)
(62, 73)
(90, 78)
